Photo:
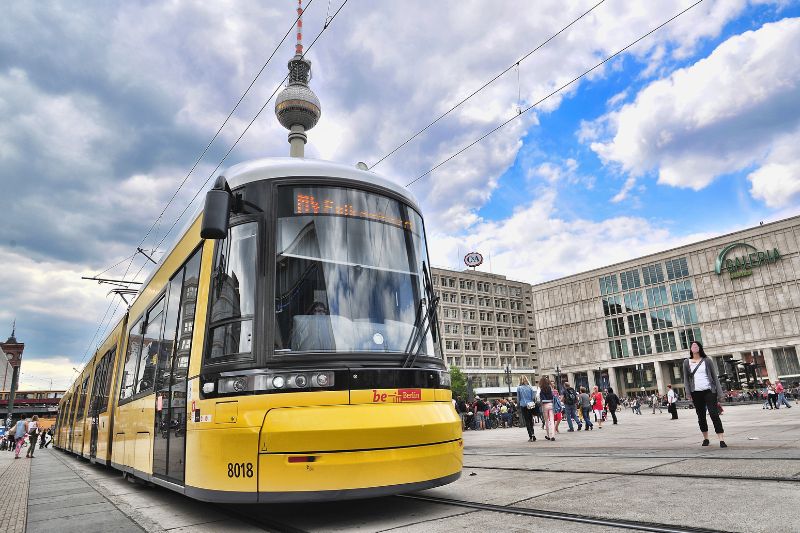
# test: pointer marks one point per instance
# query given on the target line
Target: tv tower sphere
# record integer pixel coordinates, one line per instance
(297, 107)
(297, 104)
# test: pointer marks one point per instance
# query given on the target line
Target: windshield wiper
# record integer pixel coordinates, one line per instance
(429, 319)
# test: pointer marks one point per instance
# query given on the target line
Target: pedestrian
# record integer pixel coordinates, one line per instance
(597, 406)
(42, 438)
(33, 435)
(672, 399)
(20, 430)
(637, 406)
(461, 409)
(656, 403)
(546, 399)
(781, 394)
(586, 408)
(526, 404)
(571, 406)
(480, 410)
(612, 403)
(49, 437)
(558, 409)
(702, 382)
(772, 396)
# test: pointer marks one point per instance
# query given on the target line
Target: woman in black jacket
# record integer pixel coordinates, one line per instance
(702, 382)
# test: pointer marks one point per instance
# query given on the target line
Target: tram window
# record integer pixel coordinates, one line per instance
(348, 271)
(151, 343)
(233, 295)
(82, 400)
(131, 358)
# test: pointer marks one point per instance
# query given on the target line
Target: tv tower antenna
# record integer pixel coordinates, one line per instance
(297, 107)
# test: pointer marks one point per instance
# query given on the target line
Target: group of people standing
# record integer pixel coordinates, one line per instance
(26, 430)
(701, 382)
(554, 406)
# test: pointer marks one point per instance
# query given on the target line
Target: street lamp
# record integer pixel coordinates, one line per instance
(558, 379)
(640, 370)
(508, 378)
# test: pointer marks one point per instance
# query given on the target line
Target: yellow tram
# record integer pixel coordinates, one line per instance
(290, 355)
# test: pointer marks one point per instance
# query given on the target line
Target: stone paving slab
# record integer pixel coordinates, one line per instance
(14, 476)
(60, 500)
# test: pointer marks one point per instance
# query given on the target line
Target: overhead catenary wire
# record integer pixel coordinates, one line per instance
(556, 91)
(485, 85)
(219, 130)
(252, 121)
(211, 175)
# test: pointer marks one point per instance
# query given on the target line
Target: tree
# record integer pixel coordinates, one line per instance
(458, 382)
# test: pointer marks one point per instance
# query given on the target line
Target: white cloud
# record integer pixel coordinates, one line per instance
(723, 114)
(536, 243)
(99, 122)
(43, 372)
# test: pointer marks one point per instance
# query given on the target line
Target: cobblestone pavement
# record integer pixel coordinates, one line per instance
(14, 476)
(648, 470)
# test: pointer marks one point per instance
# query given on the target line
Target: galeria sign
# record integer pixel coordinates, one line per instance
(740, 264)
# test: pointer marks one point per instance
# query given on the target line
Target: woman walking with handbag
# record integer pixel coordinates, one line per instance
(546, 397)
(526, 405)
(702, 383)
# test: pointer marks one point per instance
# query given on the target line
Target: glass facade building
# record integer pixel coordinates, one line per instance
(629, 325)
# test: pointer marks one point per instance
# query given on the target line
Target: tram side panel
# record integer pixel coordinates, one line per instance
(149, 340)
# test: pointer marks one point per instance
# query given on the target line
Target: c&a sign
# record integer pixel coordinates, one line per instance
(740, 263)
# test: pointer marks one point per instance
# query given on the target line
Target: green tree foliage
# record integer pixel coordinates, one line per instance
(458, 382)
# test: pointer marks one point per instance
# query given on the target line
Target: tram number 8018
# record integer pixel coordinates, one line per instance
(240, 469)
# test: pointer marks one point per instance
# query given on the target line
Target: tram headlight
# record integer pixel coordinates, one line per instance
(300, 381)
(278, 382)
(323, 380)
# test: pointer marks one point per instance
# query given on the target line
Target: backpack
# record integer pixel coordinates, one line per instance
(570, 397)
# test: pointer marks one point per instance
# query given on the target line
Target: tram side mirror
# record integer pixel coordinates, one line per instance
(216, 211)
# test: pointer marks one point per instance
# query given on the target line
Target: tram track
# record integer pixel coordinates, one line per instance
(725, 457)
(641, 473)
(653, 527)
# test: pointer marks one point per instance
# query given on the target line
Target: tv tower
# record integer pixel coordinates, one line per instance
(297, 107)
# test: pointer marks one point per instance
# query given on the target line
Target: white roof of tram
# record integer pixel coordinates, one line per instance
(286, 167)
(282, 167)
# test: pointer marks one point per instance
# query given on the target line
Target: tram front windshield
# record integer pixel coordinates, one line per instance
(349, 272)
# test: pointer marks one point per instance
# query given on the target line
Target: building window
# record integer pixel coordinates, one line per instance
(612, 305)
(688, 336)
(657, 296)
(661, 318)
(618, 348)
(634, 301)
(615, 327)
(665, 342)
(630, 280)
(492, 381)
(608, 285)
(489, 361)
(786, 361)
(653, 274)
(641, 345)
(681, 291)
(637, 323)
(677, 268)
(686, 315)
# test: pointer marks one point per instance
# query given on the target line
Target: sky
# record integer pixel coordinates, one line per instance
(106, 107)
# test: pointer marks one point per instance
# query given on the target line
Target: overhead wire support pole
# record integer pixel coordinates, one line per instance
(139, 249)
(556, 91)
(482, 87)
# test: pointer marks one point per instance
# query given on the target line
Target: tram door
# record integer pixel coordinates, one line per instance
(169, 436)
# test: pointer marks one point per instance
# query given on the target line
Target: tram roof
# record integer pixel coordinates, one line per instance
(283, 167)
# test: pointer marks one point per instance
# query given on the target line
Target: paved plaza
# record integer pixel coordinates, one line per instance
(648, 471)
